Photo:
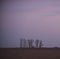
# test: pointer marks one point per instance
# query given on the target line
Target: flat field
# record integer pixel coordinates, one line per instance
(29, 53)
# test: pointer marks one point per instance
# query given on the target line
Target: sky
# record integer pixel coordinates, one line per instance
(36, 19)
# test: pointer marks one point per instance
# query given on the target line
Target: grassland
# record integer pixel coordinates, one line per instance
(29, 53)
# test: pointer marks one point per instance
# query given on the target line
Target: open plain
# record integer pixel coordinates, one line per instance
(29, 53)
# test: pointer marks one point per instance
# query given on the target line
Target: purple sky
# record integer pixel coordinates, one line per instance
(36, 19)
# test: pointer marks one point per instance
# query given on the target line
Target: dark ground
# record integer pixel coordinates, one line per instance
(29, 53)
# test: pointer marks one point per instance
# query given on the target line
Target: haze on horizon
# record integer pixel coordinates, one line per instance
(36, 19)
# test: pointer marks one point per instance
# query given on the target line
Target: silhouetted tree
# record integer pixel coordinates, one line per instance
(55, 47)
(30, 43)
(24, 43)
(37, 43)
(40, 44)
(21, 43)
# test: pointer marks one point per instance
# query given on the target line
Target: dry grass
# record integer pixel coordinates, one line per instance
(32, 53)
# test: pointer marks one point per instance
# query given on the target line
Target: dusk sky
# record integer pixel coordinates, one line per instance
(36, 19)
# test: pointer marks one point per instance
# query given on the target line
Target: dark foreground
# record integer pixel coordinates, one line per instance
(32, 53)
